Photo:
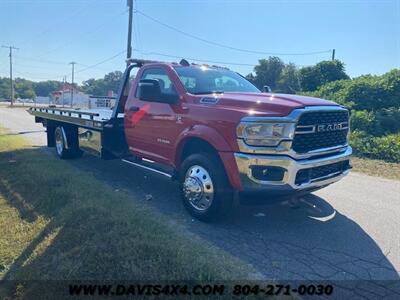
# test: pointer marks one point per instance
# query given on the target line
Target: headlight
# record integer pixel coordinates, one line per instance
(265, 134)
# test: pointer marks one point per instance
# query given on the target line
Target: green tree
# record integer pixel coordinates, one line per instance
(93, 86)
(112, 81)
(312, 77)
(250, 77)
(289, 80)
(309, 78)
(25, 92)
(268, 72)
(24, 89)
(100, 87)
(5, 92)
(44, 88)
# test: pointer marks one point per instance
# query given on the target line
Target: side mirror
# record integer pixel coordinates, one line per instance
(267, 89)
(150, 90)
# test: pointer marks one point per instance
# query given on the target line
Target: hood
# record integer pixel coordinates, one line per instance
(262, 104)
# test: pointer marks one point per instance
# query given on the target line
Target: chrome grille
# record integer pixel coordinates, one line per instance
(309, 138)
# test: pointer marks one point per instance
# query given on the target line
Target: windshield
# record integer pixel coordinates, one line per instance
(203, 80)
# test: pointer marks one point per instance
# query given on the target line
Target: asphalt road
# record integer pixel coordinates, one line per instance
(349, 230)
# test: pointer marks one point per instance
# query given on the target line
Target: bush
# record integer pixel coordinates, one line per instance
(332, 91)
(375, 112)
(364, 121)
(376, 123)
(388, 120)
(386, 147)
(364, 92)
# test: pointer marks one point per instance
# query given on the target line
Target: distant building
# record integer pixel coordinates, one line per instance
(81, 100)
(63, 97)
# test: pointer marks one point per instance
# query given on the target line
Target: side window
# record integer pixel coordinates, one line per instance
(166, 85)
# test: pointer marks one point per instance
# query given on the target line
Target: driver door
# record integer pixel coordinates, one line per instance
(151, 126)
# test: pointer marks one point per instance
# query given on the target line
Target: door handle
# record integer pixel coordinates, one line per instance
(134, 108)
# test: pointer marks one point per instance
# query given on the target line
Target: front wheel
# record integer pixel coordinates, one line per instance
(205, 189)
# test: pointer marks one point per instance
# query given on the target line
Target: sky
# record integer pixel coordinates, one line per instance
(235, 33)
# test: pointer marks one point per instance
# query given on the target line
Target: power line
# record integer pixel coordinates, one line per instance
(223, 45)
(144, 52)
(37, 76)
(34, 67)
(68, 18)
(85, 33)
(101, 62)
(41, 60)
(84, 69)
(194, 59)
(48, 62)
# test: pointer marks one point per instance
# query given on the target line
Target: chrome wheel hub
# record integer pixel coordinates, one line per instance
(198, 188)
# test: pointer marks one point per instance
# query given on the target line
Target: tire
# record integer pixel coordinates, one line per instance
(205, 189)
(71, 136)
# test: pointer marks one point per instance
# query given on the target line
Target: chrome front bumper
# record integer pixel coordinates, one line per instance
(291, 167)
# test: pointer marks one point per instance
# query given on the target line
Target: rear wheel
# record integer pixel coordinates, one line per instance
(62, 138)
(205, 189)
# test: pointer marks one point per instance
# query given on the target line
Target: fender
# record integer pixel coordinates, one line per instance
(216, 140)
(204, 133)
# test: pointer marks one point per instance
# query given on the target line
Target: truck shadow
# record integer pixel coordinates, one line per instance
(312, 241)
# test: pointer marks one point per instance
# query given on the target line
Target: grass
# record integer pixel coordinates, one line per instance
(375, 167)
(59, 223)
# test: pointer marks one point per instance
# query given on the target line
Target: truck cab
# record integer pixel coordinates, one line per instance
(219, 136)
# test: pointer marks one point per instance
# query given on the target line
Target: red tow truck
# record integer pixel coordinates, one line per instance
(213, 131)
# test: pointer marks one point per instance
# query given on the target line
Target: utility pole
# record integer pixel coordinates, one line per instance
(333, 54)
(129, 46)
(63, 89)
(11, 77)
(72, 86)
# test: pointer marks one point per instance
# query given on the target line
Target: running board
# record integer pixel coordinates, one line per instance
(141, 165)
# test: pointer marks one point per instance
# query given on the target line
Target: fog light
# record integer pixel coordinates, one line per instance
(265, 173)
(303, 176)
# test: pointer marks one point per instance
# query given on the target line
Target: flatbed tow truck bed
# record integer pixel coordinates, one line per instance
(88, 118)
(98, 133)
